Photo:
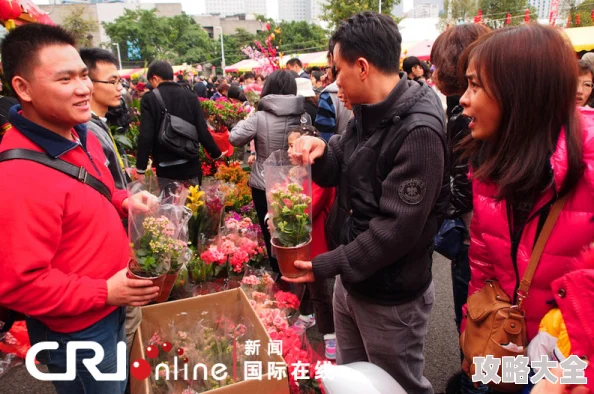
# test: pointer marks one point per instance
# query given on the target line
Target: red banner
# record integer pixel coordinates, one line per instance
(554, 12)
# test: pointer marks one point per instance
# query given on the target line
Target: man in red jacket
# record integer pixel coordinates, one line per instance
(64, 250)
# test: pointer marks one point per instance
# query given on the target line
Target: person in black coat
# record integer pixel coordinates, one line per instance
(444, 55)
(179, 102)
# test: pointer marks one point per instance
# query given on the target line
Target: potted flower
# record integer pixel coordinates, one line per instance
(291, 222)
(152, 250)
(178, 258)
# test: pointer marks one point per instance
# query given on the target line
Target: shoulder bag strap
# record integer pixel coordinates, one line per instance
(78, 173)
(539, 248)
(160, 99)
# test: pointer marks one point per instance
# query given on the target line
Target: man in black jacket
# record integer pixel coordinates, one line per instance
(179, 102)
(389, 168)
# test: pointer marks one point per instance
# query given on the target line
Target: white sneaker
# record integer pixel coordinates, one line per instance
(305, 321)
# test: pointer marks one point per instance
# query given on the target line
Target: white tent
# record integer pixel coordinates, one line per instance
(419, 29)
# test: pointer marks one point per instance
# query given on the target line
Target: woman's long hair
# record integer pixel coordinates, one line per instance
(279, 82)
(531, 72)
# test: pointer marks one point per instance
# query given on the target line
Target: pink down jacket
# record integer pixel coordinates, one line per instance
(490, 248)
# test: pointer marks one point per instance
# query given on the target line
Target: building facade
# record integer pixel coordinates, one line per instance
(236, 7)
(543, 8)
(107, 12)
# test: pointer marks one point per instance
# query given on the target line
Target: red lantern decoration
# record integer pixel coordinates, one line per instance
(568, 20)
(577, 20)
(508, 19)
(9, 9)
(592, 15)
(527, 16)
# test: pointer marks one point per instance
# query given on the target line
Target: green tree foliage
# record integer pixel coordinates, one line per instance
(143, 35)
(571, 9)
(338, 10)
(294, 37)
(82, 28)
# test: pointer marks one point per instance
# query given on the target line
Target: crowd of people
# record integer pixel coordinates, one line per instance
(508, 165)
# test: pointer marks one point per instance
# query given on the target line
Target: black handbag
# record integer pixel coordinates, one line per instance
(8, 316)
(449, 239)
(177, 135)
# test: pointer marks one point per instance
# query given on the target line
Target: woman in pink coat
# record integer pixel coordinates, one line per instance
(530, 145)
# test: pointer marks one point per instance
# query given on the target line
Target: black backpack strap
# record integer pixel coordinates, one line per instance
(160, 99)
(78, 173)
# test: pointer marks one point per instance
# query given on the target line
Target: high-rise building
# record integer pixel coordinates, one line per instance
(235, 7)
(294, 10)
(317, 10)
(543, 8)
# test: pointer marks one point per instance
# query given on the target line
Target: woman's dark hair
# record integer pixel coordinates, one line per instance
(236, 93)
(223, 87)
(306, 130)
(279, 82)
(446, 52)
(517, 157)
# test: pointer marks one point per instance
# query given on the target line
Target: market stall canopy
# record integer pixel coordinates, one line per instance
(308, 59)
(421, 49)
(582, 38)
(21, 12)
(243, 66)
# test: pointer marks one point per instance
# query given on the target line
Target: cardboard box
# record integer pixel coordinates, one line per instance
(232, 303)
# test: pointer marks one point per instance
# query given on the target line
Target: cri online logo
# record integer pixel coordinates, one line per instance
(139, 369)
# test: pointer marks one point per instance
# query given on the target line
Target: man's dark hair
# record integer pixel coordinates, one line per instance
(92, 56)
(409, 63)
(317, 75)
(249, 76)
(372, 36)
(180, 77)
(295, 61)
(160, 69)
(21, 46)
(279, 82)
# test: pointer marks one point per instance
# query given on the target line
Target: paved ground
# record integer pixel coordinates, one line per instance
(441, 352)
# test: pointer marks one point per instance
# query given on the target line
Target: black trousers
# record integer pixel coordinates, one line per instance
(259, 197)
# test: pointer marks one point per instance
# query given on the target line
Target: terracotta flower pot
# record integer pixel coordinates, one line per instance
(286, 257)
(168, 284)
(157, 280)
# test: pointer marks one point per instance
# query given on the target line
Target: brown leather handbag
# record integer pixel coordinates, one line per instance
(494, 324)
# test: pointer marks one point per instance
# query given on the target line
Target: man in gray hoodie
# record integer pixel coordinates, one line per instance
(107, 92)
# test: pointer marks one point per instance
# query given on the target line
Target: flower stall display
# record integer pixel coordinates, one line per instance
(240, 194)
(157, 236)
(274, 309)
(221, 116)
(288, 192)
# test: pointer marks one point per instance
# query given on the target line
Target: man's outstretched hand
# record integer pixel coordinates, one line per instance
(307, 149)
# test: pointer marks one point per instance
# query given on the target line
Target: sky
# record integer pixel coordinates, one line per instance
(191, 7)
(194, 7)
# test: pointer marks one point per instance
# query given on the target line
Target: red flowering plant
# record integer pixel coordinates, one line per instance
(221, 116)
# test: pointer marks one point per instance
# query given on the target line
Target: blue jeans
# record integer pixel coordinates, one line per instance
(460, 279)
(107, 332)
